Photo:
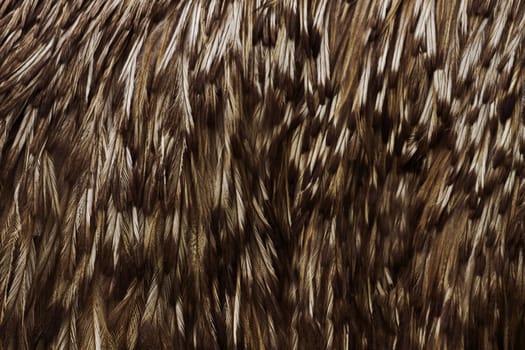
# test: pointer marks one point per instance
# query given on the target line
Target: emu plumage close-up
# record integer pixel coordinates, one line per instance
(257, 174)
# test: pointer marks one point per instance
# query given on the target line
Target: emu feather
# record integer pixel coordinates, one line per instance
(296, 174)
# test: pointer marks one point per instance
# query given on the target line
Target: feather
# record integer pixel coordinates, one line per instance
(304, 174)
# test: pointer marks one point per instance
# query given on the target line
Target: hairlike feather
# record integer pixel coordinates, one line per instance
(261, 174)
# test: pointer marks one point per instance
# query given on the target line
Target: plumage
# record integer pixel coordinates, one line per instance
(295, 174)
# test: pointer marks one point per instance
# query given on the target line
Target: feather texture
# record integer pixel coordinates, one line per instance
(235, 174)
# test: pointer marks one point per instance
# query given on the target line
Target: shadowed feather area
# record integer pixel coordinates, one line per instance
(256, 174)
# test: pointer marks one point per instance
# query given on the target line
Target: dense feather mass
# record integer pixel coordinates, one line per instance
(256, 174)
